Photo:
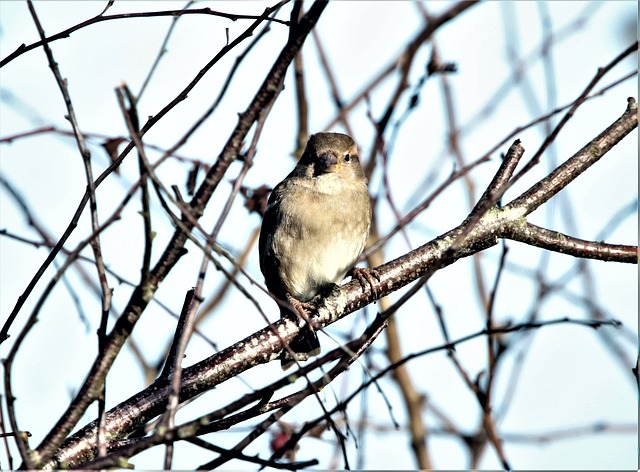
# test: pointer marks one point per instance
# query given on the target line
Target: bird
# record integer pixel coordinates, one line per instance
(314, 229)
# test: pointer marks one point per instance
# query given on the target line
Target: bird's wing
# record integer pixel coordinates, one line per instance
(268, 260)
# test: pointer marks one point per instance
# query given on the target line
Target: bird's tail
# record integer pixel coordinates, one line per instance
(305, 345)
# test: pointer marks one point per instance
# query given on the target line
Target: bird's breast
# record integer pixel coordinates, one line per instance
(320, 237)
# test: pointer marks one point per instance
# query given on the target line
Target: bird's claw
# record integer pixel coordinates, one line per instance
(367, 277)
(302, 309)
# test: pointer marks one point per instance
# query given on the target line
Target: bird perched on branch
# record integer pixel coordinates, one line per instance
(314, 229)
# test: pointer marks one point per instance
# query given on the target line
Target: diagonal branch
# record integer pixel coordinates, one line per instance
(265, 345)
(91, 387)
(581, 161)
(4, 331)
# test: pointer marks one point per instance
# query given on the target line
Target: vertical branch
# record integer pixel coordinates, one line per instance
(414, 401)
(4, 332)
(267, 93)
(133, 124)
(4, 434)
(456, 150)
(93, 209)
(173, 368)
(86, 158)
(333, 84)
(493, 353)
(301, 94)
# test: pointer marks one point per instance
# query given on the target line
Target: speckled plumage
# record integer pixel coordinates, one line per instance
(315, 227)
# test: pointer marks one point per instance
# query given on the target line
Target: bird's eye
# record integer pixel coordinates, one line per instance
(347, 157)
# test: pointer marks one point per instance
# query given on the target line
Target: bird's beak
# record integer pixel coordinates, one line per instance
(329, 162)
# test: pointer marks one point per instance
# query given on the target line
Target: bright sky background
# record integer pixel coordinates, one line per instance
(568, 378)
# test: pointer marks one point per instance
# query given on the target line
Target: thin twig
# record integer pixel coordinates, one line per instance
(97, 19)
(141, 297)
(173, 369)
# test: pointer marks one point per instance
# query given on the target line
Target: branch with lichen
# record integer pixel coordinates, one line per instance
(486, 225)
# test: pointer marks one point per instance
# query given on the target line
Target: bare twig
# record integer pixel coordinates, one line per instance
(97, 19)
(173, 369)
(163, 48)
(150, 123)
(142, 295)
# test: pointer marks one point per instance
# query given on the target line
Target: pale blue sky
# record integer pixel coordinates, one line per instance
(567, 380)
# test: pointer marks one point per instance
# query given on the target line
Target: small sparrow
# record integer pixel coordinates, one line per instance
(314, 229)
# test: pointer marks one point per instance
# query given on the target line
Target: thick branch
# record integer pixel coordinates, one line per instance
(265, 345)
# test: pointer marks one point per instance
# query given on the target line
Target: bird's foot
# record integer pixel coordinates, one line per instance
(306, 344)
(367, 277)
(302, 309)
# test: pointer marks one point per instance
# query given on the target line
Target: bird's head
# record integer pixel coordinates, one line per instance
(331, 153)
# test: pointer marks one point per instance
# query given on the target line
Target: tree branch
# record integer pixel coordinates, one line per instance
(579, 162)
(101, 17)
(266, 344)
(557, 242)
(91, 388)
